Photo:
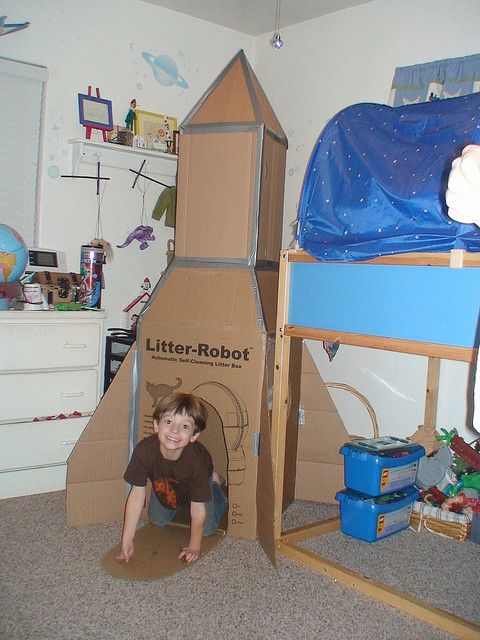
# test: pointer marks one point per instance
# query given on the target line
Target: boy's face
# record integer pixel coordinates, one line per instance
(174, 431)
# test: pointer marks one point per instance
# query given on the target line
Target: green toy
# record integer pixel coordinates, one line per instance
(130, 118)
(467, 481)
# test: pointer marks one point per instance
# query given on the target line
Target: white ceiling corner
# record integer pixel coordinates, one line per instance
(256, 17)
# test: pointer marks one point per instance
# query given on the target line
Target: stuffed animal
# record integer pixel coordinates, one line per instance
(142, 233)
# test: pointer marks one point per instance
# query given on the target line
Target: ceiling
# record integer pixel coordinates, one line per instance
(256, 17)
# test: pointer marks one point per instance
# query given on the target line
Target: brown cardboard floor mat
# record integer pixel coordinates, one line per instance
(156, 551)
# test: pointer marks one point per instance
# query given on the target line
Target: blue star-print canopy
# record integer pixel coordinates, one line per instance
(376, 181)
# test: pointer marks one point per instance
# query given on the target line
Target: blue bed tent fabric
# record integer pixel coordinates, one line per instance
(376, 181)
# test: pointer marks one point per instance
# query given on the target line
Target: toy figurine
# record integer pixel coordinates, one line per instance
(143, 233)
(130, 118)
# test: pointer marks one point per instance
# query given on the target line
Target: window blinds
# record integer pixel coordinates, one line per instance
(21, 100)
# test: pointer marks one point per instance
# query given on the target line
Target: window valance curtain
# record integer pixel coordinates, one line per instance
(449, 78)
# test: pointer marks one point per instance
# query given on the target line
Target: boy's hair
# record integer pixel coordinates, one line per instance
(183, 402)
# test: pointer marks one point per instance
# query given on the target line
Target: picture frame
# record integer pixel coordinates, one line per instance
(95, 113)
(156, 129)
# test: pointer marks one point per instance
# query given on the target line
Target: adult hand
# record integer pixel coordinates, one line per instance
(463, 193)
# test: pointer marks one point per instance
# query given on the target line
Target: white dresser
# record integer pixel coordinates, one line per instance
(51, 363)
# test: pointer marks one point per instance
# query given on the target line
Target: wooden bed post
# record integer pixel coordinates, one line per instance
(431, 393)
(280, 392)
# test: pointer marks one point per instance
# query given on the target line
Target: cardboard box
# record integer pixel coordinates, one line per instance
(321, 434)
(209, 325)
(208, 344)
(318, 481)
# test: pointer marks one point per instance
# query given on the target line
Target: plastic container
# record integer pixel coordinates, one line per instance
(370, 519)
(92, 259)
(378, 466)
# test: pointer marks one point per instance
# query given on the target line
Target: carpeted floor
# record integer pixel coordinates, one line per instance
(53, 587)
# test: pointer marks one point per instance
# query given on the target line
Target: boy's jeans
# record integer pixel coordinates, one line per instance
(216, 507)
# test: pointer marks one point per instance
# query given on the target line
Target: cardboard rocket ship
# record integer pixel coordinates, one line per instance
(209, 325)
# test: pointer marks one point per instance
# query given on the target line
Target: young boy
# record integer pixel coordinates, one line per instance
(180, 470)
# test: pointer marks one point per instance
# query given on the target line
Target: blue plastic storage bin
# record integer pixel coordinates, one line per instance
(370, 519)
(378, 466)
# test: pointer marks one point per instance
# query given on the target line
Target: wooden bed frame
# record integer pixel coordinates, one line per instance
(314, 303)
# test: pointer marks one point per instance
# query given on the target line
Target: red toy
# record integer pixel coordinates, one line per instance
(461, 503)
(433, 496)
(461, 448)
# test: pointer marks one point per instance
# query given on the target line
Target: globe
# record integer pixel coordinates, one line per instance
(13, 254)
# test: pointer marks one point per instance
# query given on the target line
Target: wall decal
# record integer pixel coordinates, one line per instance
(165, 70)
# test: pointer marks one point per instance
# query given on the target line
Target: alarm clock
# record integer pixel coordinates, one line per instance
(46, 260)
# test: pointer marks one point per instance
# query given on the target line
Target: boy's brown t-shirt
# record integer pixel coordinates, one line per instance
(174, 481)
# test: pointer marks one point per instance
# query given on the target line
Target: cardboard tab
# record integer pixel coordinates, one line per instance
(319, 463)
(156, 553)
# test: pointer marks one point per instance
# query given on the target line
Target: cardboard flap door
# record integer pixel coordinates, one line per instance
(213, 439)
(265, 487)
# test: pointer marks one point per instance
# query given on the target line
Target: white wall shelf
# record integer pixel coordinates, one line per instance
(119, 156)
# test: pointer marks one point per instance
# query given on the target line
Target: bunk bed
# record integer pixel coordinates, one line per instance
(447, 283)
(379, 265)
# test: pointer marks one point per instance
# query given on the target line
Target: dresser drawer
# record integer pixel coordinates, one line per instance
(27, 346)
(35, 444)
(40, 394)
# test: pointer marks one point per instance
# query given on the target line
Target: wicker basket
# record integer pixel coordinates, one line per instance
(439, 521)
(366, 403)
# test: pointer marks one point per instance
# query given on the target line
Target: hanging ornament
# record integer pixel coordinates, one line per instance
(144, 232)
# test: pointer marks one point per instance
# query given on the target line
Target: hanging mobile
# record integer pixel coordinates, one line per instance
(144, 232)
(98, 177)
(139, 173)
(92, 258)
(94, 254)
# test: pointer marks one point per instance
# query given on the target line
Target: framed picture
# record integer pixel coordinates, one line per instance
(156, 129)
(95, 113)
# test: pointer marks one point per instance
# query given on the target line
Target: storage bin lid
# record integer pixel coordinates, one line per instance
(408, 494)
(388, 446)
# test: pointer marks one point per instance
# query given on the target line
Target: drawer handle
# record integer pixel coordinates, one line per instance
(68, 443)
(34, 466)
(72, 394)
(67, 345)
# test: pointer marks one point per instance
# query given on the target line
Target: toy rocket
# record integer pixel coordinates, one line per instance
(208, 327)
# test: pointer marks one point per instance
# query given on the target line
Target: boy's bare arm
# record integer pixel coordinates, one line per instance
(133, 509)
(198, 514)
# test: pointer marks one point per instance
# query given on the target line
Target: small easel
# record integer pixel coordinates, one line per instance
(88, 127)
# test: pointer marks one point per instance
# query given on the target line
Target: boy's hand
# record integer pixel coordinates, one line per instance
(133, 508)
(198, 513)
(189, 555)
(126, 552)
